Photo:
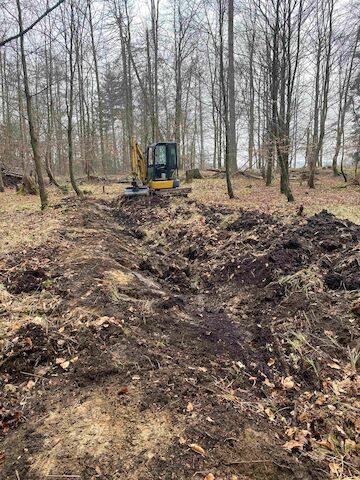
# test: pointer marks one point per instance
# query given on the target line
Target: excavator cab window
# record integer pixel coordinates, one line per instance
(160, 156)
(161, 160)
(172, 157)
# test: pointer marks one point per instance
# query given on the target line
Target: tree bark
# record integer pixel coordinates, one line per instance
(224, 93)
(31, 121)
(231, 93)
(98, 91)
(2, 187)
(70, 102)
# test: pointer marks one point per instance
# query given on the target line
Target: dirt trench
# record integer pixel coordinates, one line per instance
(169, 340)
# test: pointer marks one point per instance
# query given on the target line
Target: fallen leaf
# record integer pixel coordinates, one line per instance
(190, 407)
(123, 391)
(303, 417)
(197, 448)
(292, 444)
(41, 371)
(209, 476)
(350, 444)
(60, 360)
(320, 399)
(270, 362)
(326, 443)
(270, 414)
(268, 383)
(340, 430)
(10, 388)
(75, 359)
(65, 365)
(30, 385)
(28, 342)
(291, 431)
(335, 468)
(334, 365)
(288, 383)
(357, 425)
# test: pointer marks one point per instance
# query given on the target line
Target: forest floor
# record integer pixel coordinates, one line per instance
(182, 339)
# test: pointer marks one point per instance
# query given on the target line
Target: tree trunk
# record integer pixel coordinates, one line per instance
(98, 90)
(29, 107)
(70, 103)
(224, 91)
(231, 92)
(201, 126)
(251, 100)
(2, 187)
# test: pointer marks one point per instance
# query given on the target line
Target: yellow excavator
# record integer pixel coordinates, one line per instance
(156, 172)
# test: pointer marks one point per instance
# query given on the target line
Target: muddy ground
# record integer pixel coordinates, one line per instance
(165, 339)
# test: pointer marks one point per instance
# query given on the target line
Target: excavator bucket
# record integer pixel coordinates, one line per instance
(136, 191)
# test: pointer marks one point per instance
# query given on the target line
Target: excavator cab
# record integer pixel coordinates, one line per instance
(162, 165)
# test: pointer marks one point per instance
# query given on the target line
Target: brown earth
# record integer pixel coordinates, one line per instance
(163, 339)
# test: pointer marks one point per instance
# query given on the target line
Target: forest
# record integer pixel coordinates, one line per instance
(180, 239)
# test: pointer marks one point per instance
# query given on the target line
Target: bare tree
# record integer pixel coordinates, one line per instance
(31, 120)
(323, 58)
(224, 87)
(344, 87)
(72, 37)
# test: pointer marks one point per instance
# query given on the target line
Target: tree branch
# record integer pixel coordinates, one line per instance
(30, 27)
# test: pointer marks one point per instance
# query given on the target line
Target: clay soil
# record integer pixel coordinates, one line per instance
(165, 339)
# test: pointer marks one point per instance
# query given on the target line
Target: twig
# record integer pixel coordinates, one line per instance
(238, 462)
(63, 476)
(34, 375)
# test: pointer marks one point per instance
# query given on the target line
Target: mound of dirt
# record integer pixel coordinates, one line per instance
(330, 233)
(26, 281)
(250, 220)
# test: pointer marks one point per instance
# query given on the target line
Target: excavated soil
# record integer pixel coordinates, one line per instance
(163, 339)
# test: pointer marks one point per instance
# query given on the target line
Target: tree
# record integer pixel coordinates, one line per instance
(231, 93)
(226, 119)
(71, 69)
(2, 186)
(98, 90)
(30, 114)
(323, 61)
(345, 79)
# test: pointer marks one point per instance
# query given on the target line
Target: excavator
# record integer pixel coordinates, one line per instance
(156, 171)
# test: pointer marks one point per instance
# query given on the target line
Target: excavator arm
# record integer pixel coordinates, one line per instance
(139, 172)
(138, 162)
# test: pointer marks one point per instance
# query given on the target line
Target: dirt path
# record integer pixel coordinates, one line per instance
(171, 340)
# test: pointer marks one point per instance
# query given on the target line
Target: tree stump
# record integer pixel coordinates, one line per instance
(29, 185)
(193, 174)
(2, 186)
